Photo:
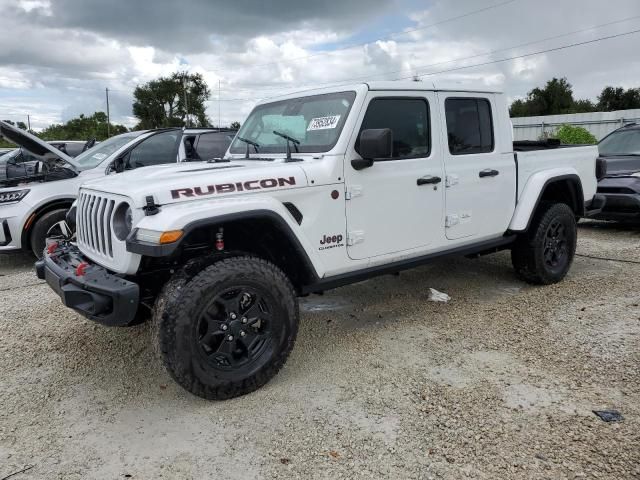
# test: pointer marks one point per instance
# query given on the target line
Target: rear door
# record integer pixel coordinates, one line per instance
(480, 179)
(396, 204)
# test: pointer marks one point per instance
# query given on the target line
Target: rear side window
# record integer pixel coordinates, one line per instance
(469, 125)
(213, 145)
(408, 118)
(155, 150)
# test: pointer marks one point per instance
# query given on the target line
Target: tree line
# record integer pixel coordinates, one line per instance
(180, 100)
(556, 97)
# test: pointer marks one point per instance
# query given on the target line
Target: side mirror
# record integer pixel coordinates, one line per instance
(118, 165)
(375, 143)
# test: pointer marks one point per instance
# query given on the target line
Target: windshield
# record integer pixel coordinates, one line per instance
(315, 121)
(622, 142)
(9, 155)
(19, 155)
(97, 154)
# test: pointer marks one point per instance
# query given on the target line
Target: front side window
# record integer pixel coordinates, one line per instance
(158, 149)
(101, 151)
(315, 121)
(469, 125)
(408, 119)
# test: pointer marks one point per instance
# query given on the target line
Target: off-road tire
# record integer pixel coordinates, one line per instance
(528, 253)
(38, 236)
(179, 307)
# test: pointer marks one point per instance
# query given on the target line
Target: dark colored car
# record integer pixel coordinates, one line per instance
(621, 185)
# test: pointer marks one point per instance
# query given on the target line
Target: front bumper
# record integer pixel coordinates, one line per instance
(9, 235)
(595, 206)
(91, 290)
(622, 198)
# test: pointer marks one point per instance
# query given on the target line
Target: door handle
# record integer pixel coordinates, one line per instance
(428, 180)
(488, 172)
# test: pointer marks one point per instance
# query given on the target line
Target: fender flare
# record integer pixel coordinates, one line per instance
(153, 250)
(533, 192)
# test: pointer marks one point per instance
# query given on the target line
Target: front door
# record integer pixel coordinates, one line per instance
(480, 178)
(396, 204)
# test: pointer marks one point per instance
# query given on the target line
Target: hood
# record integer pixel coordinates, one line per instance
(622, 165)
(33, 144)
(190, 181)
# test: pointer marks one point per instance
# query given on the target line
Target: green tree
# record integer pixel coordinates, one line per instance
(174, 101)
(556, 97)
(617, 98)
(82, 128)
(235, 125)
(572, 135)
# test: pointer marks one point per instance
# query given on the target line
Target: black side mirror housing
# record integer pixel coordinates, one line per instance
(375, 143)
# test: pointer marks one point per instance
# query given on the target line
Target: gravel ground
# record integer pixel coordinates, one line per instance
(498, 383)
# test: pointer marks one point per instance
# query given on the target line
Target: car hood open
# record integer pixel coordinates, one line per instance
(34, 144)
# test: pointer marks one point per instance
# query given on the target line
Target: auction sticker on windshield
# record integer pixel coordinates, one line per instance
(323, 123)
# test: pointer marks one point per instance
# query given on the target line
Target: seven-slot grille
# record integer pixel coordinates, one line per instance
(93, 223)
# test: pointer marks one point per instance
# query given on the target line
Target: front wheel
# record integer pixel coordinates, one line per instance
(227, 330)
(543, 254)
(51, 224)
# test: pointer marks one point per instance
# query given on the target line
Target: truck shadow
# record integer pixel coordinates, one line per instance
(12, 262)
(611, 226)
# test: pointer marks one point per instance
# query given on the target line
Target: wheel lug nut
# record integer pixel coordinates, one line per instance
(224, 327)
(230, 338)
(242, 334)
(244, 319)
(233, 316)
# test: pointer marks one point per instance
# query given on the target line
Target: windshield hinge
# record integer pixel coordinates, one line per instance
(150, 208)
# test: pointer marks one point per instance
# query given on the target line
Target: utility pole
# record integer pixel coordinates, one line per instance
(108, 118)
(28, 123)
(186, 106)
(218, 103)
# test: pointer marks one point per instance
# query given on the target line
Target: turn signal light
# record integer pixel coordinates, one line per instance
(170, 236)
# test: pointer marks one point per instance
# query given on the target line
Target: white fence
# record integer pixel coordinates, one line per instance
(599, 124)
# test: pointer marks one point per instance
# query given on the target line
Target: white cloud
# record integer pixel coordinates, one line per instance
(59, 65)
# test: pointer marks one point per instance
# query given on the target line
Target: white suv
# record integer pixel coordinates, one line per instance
(35, 200)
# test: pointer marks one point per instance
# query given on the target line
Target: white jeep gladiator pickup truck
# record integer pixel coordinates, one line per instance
(318, 189)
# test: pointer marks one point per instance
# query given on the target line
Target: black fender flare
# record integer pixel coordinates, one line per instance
(153, 250)
(578, 195)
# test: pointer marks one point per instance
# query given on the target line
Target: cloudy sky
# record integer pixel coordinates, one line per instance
(58, 56)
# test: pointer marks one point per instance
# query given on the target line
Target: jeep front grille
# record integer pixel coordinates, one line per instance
(93, 223)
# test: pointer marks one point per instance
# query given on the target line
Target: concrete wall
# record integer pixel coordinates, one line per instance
(599, 124)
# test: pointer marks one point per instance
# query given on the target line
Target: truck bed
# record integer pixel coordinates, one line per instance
(555, 159)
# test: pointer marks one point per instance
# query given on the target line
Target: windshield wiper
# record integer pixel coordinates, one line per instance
(289, 141)
(248, 142)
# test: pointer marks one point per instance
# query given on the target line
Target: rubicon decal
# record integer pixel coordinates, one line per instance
(232, 187)
(331, 241)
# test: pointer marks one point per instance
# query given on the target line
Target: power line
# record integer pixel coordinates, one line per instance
(386, 37)
(563, 47)
(492, 52)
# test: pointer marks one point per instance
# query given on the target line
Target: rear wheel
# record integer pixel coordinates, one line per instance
(543, 254)
(229, 329)
(51, 224)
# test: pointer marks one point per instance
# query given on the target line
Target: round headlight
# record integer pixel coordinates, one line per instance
(122, 221)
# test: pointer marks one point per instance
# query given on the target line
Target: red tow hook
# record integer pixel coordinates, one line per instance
(52, 247)
(80, 269)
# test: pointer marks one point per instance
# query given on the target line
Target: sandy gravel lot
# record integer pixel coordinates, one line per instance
(498, 383)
